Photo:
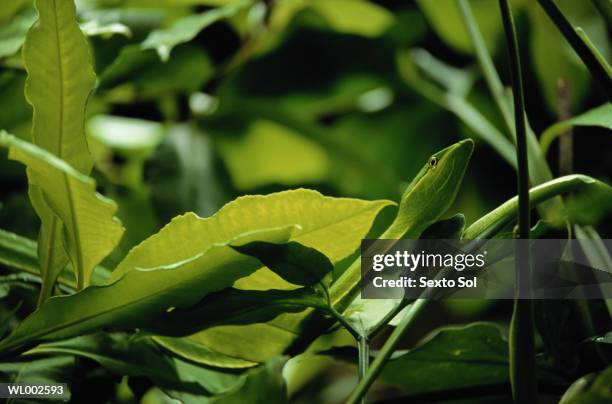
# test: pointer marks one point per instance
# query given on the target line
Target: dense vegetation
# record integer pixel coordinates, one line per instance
(185, 185)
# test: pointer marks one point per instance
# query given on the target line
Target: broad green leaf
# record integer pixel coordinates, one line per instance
(143, 293)
(333, 226)
(354, 16)
(236, 307)
(90, 229)
(198, 353)
(13, 32)
(293, 262)
(270, 153)
(254, 343)
(123, 354)
(348, 16)
(163, 40)
(475, 355)
(599, 116)
(264, 384)
(506, 212)
(60, 79)
(590, 389)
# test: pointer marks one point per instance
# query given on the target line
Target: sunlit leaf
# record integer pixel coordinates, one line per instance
(60, 79)
(164, 40)
(90, 231)
(142, 293)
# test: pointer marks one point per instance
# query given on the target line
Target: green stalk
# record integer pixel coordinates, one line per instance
(387, 350)
(589, 58)
(523, 376)
(364, 356)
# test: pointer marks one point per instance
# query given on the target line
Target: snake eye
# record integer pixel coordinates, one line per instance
(433, 162)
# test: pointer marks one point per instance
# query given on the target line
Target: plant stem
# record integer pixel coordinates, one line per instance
(566, 140)
(589, 58)
(364, 355)
(522, 345)
(386, 351)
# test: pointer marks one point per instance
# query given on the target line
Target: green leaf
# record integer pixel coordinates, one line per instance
(253, 343)
(354, 16)
(18, 252)
(21, 253)
(200, 354)
(506, 212)
(590, 389)
(271, 153)
(122, 354)
(264, 384)
(236, 307)
(52, 370)
(455, 358)
(295, 263)
(143, 293)
(90, 229)
(138, 74)
(333, 226)
(60, 79)
(445, 18)
(163, 40)
(13, 32)
(358, 17)
(600, 116)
